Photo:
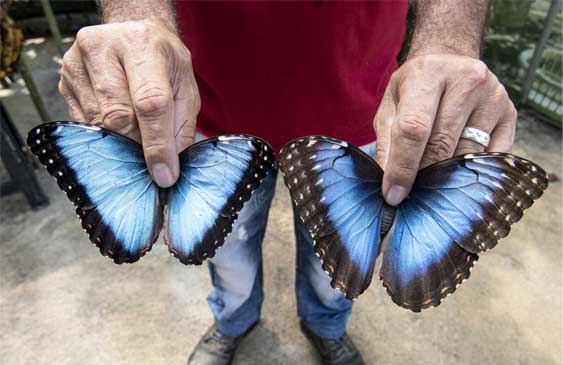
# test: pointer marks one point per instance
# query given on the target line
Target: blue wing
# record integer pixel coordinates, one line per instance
(105, 176)
(336, 189)
(456, 209)
(217, 176)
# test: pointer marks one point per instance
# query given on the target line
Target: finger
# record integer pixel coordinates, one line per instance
(74, 76)
(419, 100)
(72, 104)
(502, 137)
(186, 104)
(485, 117)
(112, 93)
(153, 103)
(460, 98)
(383, 122)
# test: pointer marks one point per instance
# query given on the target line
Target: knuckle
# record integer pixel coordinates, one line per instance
(475, 74)
(117, 116)
(145, 28)
(500, 94)
(61, 88)
(380, 150)
(155, 150)
(382, 122)
(68, 58)
(152, 100)
(414, 127)
(72, 64)
(184, 140)
(465, 148)
(139, 31)
(86, 38)
(477, 69)
(440, 146)
(184, 58)
(401, 174)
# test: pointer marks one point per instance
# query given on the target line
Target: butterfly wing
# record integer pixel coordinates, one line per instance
(217, 176)
(105, 176)
(336, 189)
(456, 209)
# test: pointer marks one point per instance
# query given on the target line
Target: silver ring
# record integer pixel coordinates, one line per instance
(476, 135)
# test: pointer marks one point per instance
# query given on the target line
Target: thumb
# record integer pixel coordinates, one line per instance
(153, 102)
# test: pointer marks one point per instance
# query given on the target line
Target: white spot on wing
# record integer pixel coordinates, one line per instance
(227, 138)
(510, 161)
(91, 128)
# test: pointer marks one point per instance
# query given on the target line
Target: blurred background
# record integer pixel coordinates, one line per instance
(62, 303)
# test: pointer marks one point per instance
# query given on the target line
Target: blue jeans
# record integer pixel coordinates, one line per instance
(236, 274)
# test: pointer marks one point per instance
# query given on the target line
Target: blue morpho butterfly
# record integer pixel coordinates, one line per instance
(457, 209)
(104, 174)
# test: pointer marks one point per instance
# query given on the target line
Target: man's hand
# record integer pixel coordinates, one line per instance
(441, 89)
(136, 79)
(428, 102)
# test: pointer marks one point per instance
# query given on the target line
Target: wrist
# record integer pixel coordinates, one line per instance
(462, 48)
(157, 11)
(449, 27)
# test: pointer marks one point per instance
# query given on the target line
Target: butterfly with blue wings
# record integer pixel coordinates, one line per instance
(456, 209)
(104, 174)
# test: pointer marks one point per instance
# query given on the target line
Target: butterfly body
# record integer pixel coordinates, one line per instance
(428, 244)
(122, 210)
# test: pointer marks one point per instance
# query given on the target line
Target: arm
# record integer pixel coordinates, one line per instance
(440, 89)
(118, 11)
(133, 75)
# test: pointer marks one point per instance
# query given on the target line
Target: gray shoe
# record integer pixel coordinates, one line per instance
(334, 352)
(215, 348)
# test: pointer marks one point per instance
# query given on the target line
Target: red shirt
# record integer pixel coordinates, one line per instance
(282, 70)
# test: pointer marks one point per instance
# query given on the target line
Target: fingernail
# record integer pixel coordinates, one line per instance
(396, 194)
(161, 175)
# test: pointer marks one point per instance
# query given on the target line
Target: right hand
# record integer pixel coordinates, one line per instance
(135, 78)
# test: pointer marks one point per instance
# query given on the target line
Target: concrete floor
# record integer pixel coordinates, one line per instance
(63, 303)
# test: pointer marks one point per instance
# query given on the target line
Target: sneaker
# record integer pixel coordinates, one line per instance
(334, 352)
(215, 348)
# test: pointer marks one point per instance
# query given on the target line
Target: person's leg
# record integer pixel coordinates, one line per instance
(236, 269)
(236, 274)
(322, 309)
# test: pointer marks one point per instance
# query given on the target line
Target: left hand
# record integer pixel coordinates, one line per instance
(428, 102)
